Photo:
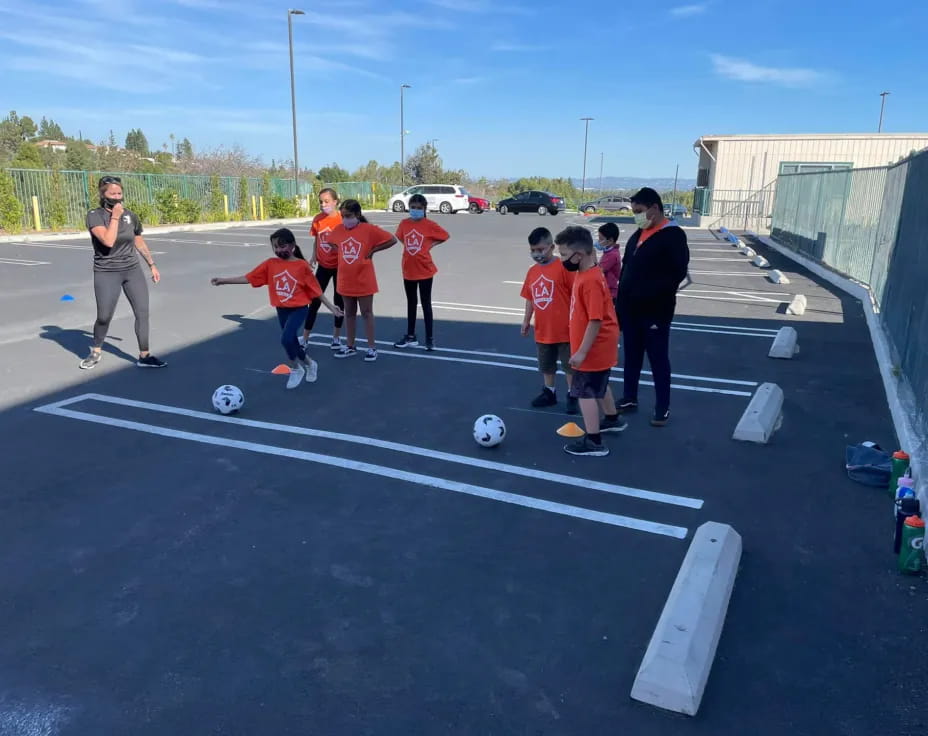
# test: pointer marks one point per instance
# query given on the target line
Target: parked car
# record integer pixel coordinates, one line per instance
(676, 210)
(446, 198)
(611, 203)
(533, 201)
(478, 204)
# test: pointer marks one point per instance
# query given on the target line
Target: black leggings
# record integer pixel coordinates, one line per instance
(106, 288)
(640, 336)
(425, 292)
(323, 276)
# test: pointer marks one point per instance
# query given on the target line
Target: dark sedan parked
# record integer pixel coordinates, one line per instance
(541, 202)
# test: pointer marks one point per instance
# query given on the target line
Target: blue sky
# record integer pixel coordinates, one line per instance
(501, 85)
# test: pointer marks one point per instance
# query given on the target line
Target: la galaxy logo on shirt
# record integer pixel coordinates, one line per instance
(285, 286)
(413, 241)
(351, 249)
(542, 292)
(324, 240)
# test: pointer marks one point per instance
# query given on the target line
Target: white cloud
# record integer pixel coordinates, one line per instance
(507, 46)
(685, 11)
(747, 71)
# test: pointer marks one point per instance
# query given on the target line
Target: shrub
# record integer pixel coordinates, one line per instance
(146, 212)
(57, 205)
(280, 207)
(168, 203)
(11, 209)
(188, 211)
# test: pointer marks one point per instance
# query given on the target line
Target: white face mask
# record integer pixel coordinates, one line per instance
(641, 220)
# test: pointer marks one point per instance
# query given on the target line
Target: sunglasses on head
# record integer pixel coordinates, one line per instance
(111, 180)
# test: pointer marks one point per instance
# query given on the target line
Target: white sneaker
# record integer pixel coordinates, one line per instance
(312, 371)
(296, 377)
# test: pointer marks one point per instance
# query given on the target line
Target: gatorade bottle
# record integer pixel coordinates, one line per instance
(912, 554)
(900, 463)
(905, 507)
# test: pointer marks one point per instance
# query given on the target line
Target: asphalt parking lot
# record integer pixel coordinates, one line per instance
(344, 559)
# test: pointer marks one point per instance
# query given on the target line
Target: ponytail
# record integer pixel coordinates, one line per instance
(352, 207)
(297, 253)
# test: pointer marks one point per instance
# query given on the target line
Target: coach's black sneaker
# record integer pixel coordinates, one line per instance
(586, 446)
(90, 362)
(407, 341)
(613, 424)
(545, 398)
(429, 344)
(660, 418)
(627, 406)
(573, 405)
(150, 361)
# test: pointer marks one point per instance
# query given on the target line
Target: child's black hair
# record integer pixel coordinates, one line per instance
(285, 236)
(539, 234)
(610, 231)
(353, 208)
(418, 199)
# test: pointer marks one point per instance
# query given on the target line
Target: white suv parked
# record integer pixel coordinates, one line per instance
(446, 198)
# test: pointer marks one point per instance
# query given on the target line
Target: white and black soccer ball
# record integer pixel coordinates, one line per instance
(489, 430)
(228, 399)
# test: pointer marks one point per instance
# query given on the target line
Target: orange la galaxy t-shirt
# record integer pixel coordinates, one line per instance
(548, 286)
(591, 300)
(418, 237)
(322, 226)
(290, 283)
(356, 275)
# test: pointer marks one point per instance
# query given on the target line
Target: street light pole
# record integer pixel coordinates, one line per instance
(882, 105)
(586, 136)
(296, 155)
(403, 137)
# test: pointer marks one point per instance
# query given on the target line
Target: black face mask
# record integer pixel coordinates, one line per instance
(110, 202)
(570, 265)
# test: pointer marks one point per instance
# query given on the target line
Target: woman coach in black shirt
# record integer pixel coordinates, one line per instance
(116, 234)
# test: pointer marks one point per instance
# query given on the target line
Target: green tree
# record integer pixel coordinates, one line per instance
(28, 157)
(137, 142)
(78, 157)
(216, 200)
(244, 204)
(58, 204)
(332, 174)
(27, 128)
(424, 166)
(10, 136)
(50, 130)
(185, 150)
(11, 209)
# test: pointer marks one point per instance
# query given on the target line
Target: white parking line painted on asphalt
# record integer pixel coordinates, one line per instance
(733, 299)
(728, 273)
(407, 353)
(58, 409)
(533, 359)
(221, 243)
(764, 330)
(23, 262)
(733, 260)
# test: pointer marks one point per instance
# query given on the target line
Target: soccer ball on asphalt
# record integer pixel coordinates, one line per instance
(489, 430)
(228, 399)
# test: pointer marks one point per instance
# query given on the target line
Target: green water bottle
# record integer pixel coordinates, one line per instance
(911, 553)
(900, 463)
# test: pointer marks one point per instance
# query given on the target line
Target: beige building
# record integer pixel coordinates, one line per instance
(736, 176)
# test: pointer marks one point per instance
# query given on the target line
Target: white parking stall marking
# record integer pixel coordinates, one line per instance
(65, 246)
(59, 409)
(22, 262)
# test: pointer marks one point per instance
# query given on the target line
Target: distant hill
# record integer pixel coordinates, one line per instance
(611, 183)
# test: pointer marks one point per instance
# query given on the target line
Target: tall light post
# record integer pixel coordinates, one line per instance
(296, 155)
(586, 136)
(883, 96)
(403, 136)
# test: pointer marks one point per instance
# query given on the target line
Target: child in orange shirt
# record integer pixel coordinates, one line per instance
(325, 261)
(594, 342)
(546, 291)
(291, 287)
(357, 241)
(418, 235)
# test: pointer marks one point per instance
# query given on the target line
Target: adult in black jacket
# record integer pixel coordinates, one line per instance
(655, 263)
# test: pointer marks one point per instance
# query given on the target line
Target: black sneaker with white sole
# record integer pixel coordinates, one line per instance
(627, 406)
(586, 446)
(150, 361)
(430, 345)
(406, 341)
(370, 356)
(613, 425)
(545, 398)
(660, 418)
(346, 351)
(90, 362)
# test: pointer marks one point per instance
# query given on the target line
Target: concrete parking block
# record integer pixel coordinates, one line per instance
(763, 415)
(761, 262)
(785, 344)
(798, 305)
(777, 277)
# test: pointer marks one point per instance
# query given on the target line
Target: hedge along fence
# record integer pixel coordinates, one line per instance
(64, 197)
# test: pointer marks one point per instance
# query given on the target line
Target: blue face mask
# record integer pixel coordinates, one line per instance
(416, 214)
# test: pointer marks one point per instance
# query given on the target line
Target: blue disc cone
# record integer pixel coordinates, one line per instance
(67, 298)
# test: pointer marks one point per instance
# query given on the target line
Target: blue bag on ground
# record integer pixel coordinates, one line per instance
(867, 463)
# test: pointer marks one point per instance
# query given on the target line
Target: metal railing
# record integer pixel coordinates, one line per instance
(747, 209)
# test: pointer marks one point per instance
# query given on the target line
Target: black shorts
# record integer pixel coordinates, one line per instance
(589, 384)
(550, 353)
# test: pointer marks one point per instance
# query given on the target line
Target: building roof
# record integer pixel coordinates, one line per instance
(46, 143)
(811, 136)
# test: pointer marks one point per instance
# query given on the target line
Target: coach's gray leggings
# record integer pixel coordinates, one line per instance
(106, 288)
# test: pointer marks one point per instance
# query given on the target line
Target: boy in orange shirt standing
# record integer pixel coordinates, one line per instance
(594, 342)
(546, 291)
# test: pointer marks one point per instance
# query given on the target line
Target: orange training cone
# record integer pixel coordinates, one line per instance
(281, 370)
(570, 430)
